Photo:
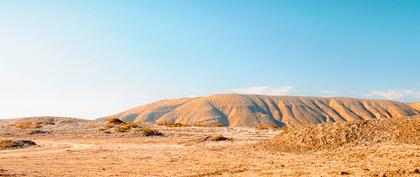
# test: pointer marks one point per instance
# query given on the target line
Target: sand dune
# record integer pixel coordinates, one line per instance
(236, 110)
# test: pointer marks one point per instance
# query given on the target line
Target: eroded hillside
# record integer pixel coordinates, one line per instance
(253, 110)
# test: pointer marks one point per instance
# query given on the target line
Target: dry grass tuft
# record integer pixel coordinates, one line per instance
(151, 132)
(14, 144)
(170, 124)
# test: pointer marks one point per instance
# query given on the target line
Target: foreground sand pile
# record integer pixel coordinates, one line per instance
(15, 144)
(327, 136)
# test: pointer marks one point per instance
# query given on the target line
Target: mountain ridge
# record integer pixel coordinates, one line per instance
(240, 110)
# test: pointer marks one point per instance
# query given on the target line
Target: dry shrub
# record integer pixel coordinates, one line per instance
(38, 132)
(171, 124)
(130, 125)
(214, 138)
(218, 138)
(151, 132)
(202, 125)
(262, 127)
(24, 124)
(67, 122)
(119, 129)
(13, 144)
(37, 124)
(48, 121)
(327, 136)
(113, 120)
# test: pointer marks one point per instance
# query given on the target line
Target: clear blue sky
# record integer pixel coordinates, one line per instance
(94, 58)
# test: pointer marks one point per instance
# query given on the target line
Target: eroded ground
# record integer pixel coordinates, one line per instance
(183, 151)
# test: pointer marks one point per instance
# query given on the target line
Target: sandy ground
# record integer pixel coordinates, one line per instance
(181, 152)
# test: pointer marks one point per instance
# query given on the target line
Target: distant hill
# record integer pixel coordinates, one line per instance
(236, 110)
(415, 106)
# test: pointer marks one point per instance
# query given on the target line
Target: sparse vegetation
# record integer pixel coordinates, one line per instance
(151, 132)
(118, 126)
(130, 125)
(24, 124)
(170, 124)
(119, 129)
(218, 138)
(13, 144)
(215, 138)
(37, 132)
(37, 124)
(262, 127)
(113, 120)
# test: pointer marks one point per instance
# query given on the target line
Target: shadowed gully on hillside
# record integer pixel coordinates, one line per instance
(237, 110)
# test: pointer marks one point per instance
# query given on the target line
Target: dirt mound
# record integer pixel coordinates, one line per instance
(327, 136)
(15, 144)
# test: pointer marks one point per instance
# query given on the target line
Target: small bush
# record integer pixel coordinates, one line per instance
(113, 120)
(218, 138)
(170, 124)
(67, 122)
(262, 127)
(215, 138)
(130, 125)
(38, 124)
(12, 144)
(37, 132)
(151, 132)
(24, 124)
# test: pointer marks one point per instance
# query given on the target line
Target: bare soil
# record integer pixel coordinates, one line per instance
(78, 148)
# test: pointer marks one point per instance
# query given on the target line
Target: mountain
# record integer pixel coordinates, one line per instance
(415, 106)
(237, 110)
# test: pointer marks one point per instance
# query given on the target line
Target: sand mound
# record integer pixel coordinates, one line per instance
(327, 136)
(236, 110)
(15, 144)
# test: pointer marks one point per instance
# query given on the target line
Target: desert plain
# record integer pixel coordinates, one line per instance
(75, 147)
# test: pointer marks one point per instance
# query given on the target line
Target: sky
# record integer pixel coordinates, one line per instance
(94, 58)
